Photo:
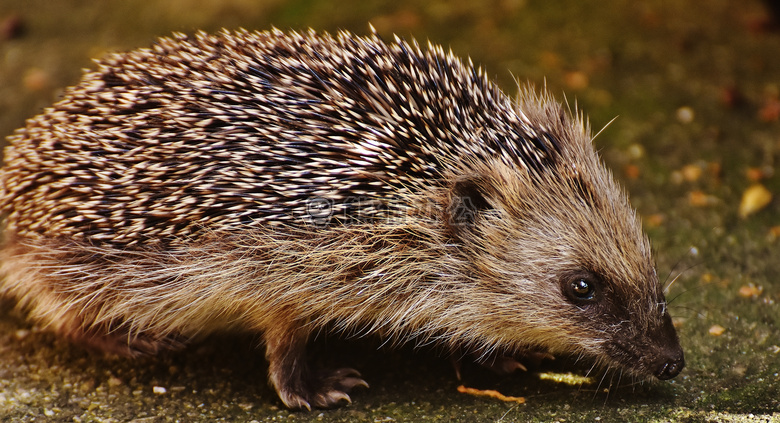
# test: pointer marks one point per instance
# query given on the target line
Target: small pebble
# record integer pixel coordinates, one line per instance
(691, 173)
(635, 151)
(717, 330)
(159, 390)
(684, 114)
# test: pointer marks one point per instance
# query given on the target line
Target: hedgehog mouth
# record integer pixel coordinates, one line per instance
(664, 361)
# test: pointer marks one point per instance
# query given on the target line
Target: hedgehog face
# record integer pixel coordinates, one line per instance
(611, 286)
(635, 332)
(571, 265)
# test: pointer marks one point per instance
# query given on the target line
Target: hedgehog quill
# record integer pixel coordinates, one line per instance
(287, 183)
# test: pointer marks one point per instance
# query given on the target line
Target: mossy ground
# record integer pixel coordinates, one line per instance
(695, 87)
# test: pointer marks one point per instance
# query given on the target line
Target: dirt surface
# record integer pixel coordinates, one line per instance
(695, 87)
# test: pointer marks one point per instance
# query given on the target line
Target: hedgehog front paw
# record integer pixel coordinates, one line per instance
(289, 373)
(323, 390)
(504, 365)
(501, 365)
(114, 339)
(498, 363)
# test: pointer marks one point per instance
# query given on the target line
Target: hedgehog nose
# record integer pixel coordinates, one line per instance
(670, 366)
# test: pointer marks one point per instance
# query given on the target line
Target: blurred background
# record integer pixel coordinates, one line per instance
(692, 91)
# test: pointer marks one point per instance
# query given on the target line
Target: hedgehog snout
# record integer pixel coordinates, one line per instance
(670, 366)
(670, 358)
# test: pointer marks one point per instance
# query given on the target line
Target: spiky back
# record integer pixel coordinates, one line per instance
(243, 129)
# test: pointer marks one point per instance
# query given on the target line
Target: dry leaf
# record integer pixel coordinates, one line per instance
(754, 199)
(750, 290)
(490, 393)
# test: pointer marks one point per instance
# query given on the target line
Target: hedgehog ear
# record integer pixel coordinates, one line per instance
(467, 199)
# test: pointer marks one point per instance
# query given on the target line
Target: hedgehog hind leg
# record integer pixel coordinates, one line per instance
(298, 386)
(116, 339)
(103, 337)
(29, 275)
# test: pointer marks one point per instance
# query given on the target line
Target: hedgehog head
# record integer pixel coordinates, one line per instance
(562, 247)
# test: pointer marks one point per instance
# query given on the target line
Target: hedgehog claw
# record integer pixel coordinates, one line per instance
(294, 401)
(346, 379)
(334, 387)
(500, 364)
(504, 365)
(327, 391)
(353, 382)
(331, 398)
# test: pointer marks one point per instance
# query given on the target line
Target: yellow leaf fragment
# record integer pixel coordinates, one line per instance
(490, 393)
(754, 199)
(750, 290)
(691, 172)
(567, 378)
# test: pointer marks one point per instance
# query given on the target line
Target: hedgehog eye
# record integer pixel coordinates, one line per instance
(581, 288)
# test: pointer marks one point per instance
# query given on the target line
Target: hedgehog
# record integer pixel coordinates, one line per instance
(292, 183)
